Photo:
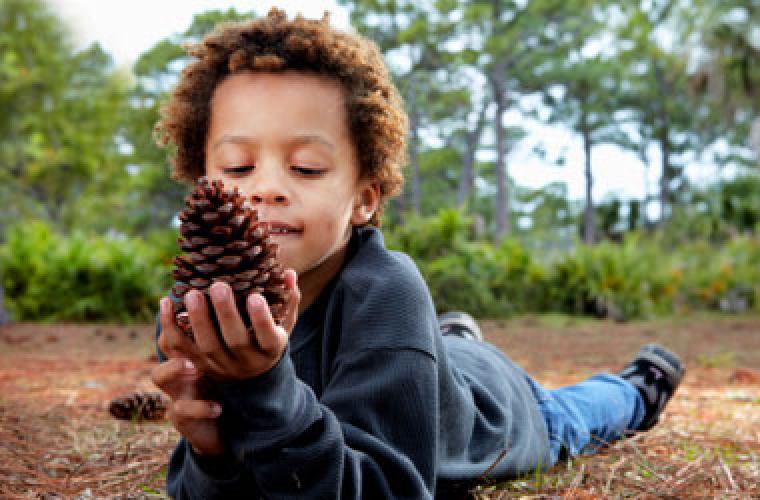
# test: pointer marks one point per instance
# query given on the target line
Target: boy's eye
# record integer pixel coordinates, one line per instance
(238, 170)
(310, 171)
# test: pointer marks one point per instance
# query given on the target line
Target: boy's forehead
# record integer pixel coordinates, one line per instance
(304, 98)
(291, 108)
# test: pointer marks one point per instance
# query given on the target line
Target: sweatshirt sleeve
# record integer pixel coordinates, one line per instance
(372, 433)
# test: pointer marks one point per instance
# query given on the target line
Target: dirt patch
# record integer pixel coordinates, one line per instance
(58, 441)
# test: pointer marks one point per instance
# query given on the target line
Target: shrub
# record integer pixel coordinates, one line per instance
(49, 277)
(477, 277)
(81, 277)
(710, 274)
(631, 277)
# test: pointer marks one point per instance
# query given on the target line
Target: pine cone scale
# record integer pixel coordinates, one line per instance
(223, 240)
(212, 251)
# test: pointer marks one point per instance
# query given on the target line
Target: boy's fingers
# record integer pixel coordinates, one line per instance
(165, 311)
(270, 337)
(172, 342)
(208, 344)
(187, 409)
(294, 298)
(230, 322)
(168, 375)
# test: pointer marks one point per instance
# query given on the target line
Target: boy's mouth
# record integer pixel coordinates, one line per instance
(282, 229)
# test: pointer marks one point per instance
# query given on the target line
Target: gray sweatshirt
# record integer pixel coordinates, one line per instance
(369, 401)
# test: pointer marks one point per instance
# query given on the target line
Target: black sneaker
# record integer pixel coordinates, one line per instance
(459, 324)
(656, 373)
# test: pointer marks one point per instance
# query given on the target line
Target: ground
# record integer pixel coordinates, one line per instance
(57, 439)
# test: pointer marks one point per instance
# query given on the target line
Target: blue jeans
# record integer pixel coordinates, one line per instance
(583, 417)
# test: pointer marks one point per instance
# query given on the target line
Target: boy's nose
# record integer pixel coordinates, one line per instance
(269, 184)
(268, 191)
(272, 198)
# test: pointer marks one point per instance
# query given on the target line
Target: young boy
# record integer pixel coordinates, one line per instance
(361, 392)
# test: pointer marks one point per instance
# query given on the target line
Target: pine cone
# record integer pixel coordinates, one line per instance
(225, 241)
(139, 406)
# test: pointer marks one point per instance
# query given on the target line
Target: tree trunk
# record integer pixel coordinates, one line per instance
(665, 178)
(754, 138)
(497, 77)
(502, 188)
(588, 214)
(664, 140)
(467, 175)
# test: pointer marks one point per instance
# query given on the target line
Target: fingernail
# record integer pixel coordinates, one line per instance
(256, 300)
(219, 291)
(216, 409)
(192, 299)
(164, 305)
(189, 366)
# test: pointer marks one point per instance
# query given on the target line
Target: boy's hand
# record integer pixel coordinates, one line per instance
(236, 355)
(192, 416)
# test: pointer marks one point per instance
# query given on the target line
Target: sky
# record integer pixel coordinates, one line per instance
(126, 29)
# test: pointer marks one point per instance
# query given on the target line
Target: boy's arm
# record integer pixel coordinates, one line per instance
(212, 477)
(373, 433)
(192, 476)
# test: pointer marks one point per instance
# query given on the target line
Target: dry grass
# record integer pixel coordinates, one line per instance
(686, 466)
(53, 456)
(56, 437)
(57, 440)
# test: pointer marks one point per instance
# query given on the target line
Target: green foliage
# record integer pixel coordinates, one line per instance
(432, 237)
(477, 277)
(61, 112)
(49, 277)
(453, 268)
(729, 77)
(640, 277)
(706, 276)
(629, 276)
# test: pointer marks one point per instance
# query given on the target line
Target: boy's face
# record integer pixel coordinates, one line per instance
(283, 140)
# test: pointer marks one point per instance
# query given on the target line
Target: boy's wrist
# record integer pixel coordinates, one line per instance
(267, 403)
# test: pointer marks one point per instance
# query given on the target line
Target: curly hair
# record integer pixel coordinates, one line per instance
(376, 119)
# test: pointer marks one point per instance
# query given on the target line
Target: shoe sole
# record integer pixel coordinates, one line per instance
(461, 320)
(673, 367)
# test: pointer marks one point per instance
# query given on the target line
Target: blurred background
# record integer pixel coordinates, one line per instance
(585, 157)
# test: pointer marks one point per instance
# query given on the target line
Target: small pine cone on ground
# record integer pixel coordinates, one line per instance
(224, 241)
(139, 406)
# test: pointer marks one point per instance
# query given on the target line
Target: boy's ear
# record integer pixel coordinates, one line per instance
(366, 203)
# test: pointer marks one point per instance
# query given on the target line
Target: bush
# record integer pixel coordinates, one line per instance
(477, 277)
(708, 275)
(630, 277)
(49, 277)
(641, 277)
